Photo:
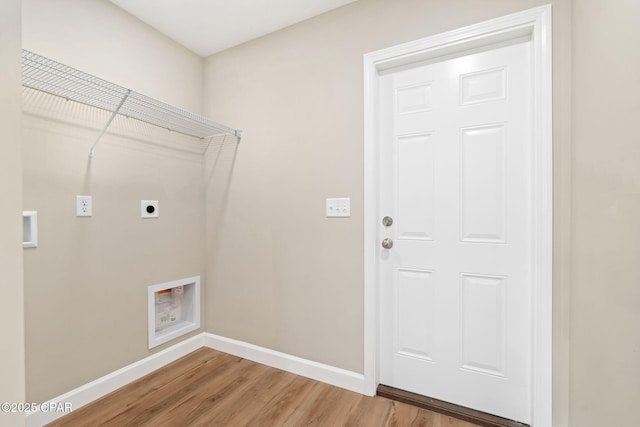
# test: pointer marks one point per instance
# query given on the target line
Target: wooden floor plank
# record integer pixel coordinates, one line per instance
(282, 405)
(259, 394)
(216, 406)
(133, 396)
(187, 396)
(370, 412)
(122, 408)
(324, 405)
(210, 388)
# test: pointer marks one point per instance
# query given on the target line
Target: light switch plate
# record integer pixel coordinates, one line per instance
(339, 207)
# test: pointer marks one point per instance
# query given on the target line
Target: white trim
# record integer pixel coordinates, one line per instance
(535, 23)
(113, 381)
(317, 371)
(102, 386)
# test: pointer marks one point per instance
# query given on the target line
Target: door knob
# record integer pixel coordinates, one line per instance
(387, 221)
(387, 243)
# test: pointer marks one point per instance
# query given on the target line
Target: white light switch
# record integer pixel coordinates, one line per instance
(339, 208)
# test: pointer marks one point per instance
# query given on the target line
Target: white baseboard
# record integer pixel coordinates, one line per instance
(113, 381)
(96, 389)
(317, 371)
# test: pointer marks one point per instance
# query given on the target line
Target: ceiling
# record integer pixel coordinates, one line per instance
(209, 26)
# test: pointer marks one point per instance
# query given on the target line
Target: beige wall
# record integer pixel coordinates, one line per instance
(86, 283)
(280, 274)
(605, 304)
(101, 39)
(12, 380)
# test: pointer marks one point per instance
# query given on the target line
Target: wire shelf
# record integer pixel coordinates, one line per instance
(57, 79)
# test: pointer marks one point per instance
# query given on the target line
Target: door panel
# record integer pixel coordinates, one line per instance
(415, 187)
(482, 193)
(483, 313)
(456, 178)
(414, 297)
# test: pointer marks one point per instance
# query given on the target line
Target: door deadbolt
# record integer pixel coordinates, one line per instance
(387, 221)
(387, 243)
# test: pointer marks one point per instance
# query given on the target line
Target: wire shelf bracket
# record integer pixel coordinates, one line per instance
(106, 126)
(54, 78)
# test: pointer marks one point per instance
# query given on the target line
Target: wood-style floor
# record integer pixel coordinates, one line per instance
(209, 388)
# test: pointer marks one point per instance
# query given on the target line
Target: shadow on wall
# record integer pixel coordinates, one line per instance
(50, 107)
(220, 161)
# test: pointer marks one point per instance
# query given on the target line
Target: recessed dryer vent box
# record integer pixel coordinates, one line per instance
(173, 309)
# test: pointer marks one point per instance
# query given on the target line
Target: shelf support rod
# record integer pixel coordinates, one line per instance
(106, 126)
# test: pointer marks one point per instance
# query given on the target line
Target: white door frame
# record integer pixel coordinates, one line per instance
(536, 24)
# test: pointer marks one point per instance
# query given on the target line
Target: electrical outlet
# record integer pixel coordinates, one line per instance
(149, 209)
(84, 206)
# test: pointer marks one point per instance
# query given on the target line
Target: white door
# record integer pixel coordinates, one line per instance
(456, 179)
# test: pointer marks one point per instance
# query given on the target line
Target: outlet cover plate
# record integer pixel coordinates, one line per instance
(149, 209)
(339, 207)
(84, 206)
